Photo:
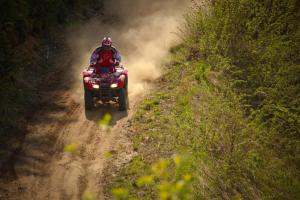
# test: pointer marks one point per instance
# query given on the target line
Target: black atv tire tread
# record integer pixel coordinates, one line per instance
(127, 99)
(88, 100)
(123, 99)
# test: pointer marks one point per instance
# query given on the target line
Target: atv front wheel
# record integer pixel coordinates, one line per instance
(88, 99)
(123, 99)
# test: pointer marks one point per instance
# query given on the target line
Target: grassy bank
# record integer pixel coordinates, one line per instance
(227, 104)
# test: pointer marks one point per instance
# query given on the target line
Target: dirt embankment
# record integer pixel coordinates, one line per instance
(142, 32)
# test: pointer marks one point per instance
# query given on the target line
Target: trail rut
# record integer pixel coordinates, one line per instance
(45, 171)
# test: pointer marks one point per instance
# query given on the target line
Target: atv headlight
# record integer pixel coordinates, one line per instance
(96, 86)
(87, 79)
(114, 85)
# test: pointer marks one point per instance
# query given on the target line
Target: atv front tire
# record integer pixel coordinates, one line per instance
(88, 100)
(123, 99)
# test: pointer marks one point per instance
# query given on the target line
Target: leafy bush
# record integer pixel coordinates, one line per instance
(161, 183)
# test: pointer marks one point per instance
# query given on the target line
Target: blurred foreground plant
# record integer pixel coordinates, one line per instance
(88, 196)
(72, 149)
(166, 180)
(105, 122)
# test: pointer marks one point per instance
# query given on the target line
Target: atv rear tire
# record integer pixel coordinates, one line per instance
(123, 99)
(127, 99)
(88, 100)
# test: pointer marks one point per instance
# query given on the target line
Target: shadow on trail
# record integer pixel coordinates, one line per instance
(38, 147)
(32, 161)
(98, 113)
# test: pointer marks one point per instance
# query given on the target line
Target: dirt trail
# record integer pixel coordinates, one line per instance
(43, 169)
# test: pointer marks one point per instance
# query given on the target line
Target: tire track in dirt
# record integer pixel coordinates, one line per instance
(47, 172)
(84, 173)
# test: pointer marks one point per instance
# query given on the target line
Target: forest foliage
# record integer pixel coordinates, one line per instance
(28, 30)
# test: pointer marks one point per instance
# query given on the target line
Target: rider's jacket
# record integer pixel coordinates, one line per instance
(105, 58)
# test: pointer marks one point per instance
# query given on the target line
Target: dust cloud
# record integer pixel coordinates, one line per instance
(142, 30)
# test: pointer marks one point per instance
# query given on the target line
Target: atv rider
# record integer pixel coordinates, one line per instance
(106, 55)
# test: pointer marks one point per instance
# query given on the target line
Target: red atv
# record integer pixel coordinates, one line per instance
(105, 84)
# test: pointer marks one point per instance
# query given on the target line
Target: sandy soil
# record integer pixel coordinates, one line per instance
(45, 171)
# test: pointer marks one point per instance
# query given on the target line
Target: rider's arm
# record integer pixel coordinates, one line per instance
(117, 55)
(94, 57)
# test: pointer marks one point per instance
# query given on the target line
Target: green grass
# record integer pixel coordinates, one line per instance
(229, 103)
(191, 115)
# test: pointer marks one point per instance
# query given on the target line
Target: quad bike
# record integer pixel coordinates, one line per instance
(105, 85)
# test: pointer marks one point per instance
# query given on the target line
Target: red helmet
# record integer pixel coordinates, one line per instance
(107, 42)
